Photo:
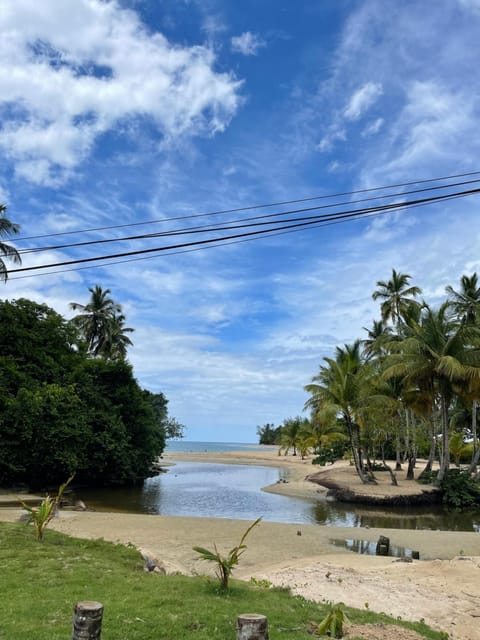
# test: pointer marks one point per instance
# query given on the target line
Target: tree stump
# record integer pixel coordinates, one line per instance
(383, 546)
(252, 626)
(87, 621)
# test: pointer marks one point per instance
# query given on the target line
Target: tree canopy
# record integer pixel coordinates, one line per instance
(63, 410)
(413, 384)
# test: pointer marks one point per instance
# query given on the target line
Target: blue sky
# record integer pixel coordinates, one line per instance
(120, 112)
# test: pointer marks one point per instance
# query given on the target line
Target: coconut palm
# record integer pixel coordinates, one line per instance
(7, 228)
(338, 387)
(377, 335)
(290, 433)
(439, 358)
(396, 295)
(115, 343)
(95, 318)
(466, 302)
(324, 428)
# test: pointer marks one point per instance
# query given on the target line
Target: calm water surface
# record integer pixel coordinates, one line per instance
(234, 491)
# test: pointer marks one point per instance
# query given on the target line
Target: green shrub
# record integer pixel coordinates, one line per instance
(460, 490)
(324, 455)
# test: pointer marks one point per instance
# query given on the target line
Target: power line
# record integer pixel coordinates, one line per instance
(208, 228)
(252, 207)
(263, 232)
(213, 246)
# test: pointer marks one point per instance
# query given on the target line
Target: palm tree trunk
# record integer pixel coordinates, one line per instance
(475, 455)
(476, 449)
(431, 453)
(445, 452)
(354, 437)
(414, 437)
(398, 459)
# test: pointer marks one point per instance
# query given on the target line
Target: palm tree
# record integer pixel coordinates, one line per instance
(290, 433)
(324, 428)
(377, 335)
(439, 358)
(466, 302)
(7, 228)
(338, 387)
(396, 296)
(114, 346)
(96, 318)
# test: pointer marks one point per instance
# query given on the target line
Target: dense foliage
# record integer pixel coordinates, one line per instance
(62, 410)
(460, 490)
(268, 434)
(411, 387)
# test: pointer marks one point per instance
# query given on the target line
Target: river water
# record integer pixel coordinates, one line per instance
(234, 491)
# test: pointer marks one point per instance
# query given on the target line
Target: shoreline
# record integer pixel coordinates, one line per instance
(294, 471)
(334, 482)
(442, 588)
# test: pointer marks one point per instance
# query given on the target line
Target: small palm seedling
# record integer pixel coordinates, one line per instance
(225, 564)
(332, 624)
(45, 511)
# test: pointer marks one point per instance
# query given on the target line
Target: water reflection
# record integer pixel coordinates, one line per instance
(426, 517)
(370, 548)
(233, 491)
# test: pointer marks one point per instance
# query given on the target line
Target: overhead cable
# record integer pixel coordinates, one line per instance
(252, 207)
(312, 220)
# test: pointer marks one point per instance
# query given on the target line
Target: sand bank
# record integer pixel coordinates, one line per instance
(441, 588)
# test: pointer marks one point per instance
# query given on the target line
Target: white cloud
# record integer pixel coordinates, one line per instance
(248, 43)
(74, 70)
(334, 134)
(473, 5)
(428, 129)
(362, 100)
(389, 226)
(373, 127)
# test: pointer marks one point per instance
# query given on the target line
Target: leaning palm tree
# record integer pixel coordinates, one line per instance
(396, 295)
(95, 318)
(440, 358)
(337, 387)
(7, 228)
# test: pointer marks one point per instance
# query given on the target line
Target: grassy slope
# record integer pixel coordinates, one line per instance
(40, 582)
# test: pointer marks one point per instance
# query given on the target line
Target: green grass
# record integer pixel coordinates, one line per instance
(40, 583)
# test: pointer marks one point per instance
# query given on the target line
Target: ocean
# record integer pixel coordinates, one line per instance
(191, 446)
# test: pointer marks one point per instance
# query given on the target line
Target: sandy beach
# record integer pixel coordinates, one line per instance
(443, 588)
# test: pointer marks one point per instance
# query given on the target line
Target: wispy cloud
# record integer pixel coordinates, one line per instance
(247, 43)
(373, 127)
(362, 100)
